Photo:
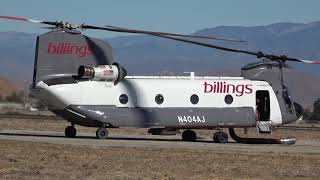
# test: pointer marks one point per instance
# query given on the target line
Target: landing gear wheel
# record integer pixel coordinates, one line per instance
(189, 135)
(102, 133)
(215, 137)
(70, 132)
(220, 137)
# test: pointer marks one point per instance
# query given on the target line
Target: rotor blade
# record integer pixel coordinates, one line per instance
(49, 27)
(304, 61)
(209, 45)
(84, 26)
(28, 20)
(20, 19)
(173, 34)
(258, 54)
(116, 29)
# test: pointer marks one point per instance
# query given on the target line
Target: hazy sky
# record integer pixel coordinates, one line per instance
(181, 16)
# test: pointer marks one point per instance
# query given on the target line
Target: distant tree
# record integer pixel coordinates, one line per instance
(307, 114)
(1, 98)
(316, 106)
(16, 97)
(316, 110)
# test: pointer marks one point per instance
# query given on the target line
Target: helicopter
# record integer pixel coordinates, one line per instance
(77, 78)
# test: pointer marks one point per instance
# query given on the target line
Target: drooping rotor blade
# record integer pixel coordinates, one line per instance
(112, 28)
(29, 20)
(259, 54)
(56, 24)
(49, 27)
(153, 33)
(172, 34)
(305, 61)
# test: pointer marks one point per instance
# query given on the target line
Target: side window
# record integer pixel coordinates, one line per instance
(228, 99)
(194, 99)
(159, 99)
(123, 98)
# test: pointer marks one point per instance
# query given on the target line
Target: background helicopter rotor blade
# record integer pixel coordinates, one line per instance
(173, 34)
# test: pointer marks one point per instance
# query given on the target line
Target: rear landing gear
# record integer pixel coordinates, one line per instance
(102, 133)
(220, 137)
(189, 135)
(70, 132)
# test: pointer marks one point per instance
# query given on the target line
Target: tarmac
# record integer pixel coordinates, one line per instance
(155, 141)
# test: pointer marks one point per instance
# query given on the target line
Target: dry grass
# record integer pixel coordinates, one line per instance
(26, 160)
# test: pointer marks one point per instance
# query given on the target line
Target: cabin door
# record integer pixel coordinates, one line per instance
(263, 105)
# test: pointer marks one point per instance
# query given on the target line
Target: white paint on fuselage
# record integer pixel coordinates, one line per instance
(142, 90)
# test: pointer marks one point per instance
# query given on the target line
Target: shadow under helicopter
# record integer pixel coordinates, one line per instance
(199, 140)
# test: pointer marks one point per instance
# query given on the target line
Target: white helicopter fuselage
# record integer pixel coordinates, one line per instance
(185, 102)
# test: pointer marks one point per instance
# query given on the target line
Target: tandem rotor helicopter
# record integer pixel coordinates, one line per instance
(77, 78)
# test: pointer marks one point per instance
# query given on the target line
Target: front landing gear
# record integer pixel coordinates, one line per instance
(102, 133)
(220, 137)
(189, 135)
(70, 132)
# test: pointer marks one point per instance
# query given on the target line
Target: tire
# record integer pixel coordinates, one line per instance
(102, 133)
(70, 132)
(189, 135)
(222, 137)
(215, 140)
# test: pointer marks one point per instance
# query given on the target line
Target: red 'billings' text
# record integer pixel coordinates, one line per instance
(223, 87)
(68, 48)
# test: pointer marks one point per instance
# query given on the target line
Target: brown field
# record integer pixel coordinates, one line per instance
(29, 160)
(25, 160)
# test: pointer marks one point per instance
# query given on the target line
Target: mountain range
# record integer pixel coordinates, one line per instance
(143, 55)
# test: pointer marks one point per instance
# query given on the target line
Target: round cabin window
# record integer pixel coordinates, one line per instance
(159, 99)
(228, 99)
(194, 99)
(123, 99)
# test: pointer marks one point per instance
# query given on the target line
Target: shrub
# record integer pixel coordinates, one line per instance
(16, 97)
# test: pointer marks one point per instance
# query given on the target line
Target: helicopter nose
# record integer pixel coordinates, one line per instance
(290, 118)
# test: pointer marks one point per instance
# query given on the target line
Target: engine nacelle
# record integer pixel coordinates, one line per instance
(111, 73)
